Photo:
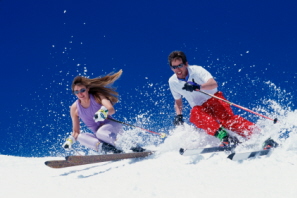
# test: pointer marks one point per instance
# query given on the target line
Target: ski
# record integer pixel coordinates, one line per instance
(248, 155)
(198, 151)
(90, 159)
(104, 158)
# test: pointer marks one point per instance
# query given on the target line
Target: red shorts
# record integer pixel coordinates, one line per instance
(215, 113)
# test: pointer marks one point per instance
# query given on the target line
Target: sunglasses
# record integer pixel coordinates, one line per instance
(178, 66)
(80, 91)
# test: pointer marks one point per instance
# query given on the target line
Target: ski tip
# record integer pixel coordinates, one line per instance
(181, 151)
(50, 164)
(231, 156)
(275, 121)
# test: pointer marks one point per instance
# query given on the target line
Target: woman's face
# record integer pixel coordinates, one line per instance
(81, 91)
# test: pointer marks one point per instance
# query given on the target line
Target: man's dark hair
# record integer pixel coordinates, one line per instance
(177, 55)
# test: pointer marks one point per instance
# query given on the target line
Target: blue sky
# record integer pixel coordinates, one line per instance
(45, 44)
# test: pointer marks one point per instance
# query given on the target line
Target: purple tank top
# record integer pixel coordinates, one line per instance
(87, 114)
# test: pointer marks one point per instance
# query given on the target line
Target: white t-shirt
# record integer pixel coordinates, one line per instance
(201, 76)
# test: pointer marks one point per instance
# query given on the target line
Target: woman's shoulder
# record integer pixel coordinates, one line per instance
(73, 109)
(73, 106)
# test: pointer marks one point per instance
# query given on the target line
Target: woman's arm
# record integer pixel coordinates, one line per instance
(75, 120)
(105, 102)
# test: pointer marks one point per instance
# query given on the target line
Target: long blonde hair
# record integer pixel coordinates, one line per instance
(98, 86)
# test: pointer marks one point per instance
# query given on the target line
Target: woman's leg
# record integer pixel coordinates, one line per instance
(108, 132)
(88, 140)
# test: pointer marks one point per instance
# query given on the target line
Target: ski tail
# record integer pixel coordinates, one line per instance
(248, 155)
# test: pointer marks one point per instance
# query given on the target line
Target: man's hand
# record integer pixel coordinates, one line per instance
(178, 120)
(101, 114)
(68, 143)
(191, 86)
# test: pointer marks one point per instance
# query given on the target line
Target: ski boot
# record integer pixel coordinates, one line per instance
(226, 139)
(108, 148)
(137, 149)
(269, 143)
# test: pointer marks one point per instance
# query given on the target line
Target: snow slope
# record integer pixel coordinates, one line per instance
(165, 174)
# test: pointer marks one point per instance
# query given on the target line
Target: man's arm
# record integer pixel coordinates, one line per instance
(210, 84)
(178, 106)
(178, 119)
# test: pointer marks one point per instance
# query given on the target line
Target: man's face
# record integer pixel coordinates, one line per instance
(182, 70)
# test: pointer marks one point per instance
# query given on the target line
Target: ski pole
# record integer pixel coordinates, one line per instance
(162, 135)
(246, 109)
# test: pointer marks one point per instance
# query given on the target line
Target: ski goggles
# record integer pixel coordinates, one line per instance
(79, 91)
(178, 66)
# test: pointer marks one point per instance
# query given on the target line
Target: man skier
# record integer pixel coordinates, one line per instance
(208, 113)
